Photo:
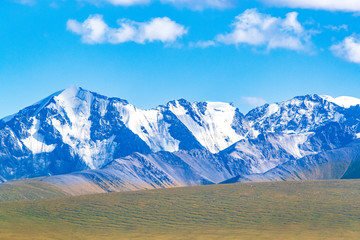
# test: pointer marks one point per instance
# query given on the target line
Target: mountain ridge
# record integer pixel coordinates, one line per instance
(88, 138)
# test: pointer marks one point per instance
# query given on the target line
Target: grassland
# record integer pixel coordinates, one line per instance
(28, 190)
(282, 210)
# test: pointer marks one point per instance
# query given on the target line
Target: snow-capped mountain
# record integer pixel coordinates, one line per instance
(77, 129)
(109, 142)
(343, 101)
(300, 114)
(213, 124)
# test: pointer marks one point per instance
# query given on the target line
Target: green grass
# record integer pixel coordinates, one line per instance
(282, 210)
(28, 190)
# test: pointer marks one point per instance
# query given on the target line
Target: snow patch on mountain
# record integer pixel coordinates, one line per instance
(300, 114)
(343, 101)
(149, 126)
(36, 145)
(291, 143)
(35, 141)
(74, 105)
(272, 109)
(209, 122)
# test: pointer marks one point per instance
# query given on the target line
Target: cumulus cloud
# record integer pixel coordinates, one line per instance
(94, 30)
(332, 5)
(253, 101)
(348, 49)
(192, 4)
(118, 2)
(258, 29)
(201, 4)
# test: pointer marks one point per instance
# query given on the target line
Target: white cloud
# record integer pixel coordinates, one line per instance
(337, 28)
(201, 4)
(192, 4)
(118, 2)
(253, 101)
(262, 30)
(332, 5)
(202, 44)
(348, 49)
(161, 29)
(127, 2)
(94, 30)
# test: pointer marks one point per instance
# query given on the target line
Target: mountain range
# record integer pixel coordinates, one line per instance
(84, 142)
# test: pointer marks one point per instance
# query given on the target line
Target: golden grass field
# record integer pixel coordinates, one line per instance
(277, 210)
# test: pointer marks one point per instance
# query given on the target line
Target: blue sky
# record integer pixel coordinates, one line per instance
(153, 51)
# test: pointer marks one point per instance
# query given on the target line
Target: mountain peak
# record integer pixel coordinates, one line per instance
(343, 101)
(72, 89)
(76, 129)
